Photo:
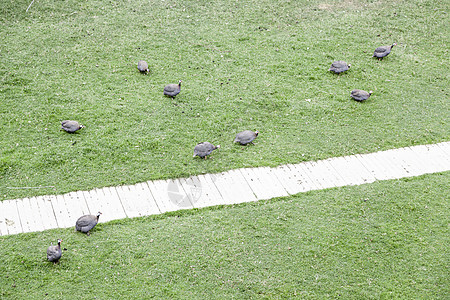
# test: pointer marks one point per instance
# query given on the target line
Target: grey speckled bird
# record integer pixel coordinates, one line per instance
(70, 126)
(339, 66)
(142, 66)
(171, 90)
(54, 252)
(245, 137)
(204, 149)
(87, 222)
(360, 95)
(383, 51)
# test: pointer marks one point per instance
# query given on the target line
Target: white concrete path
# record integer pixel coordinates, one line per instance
(234, 186)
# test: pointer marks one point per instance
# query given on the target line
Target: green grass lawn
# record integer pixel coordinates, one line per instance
(386, 240)
(257, 65)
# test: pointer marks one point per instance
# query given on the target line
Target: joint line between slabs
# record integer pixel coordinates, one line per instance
(153, 197)
(242, 174)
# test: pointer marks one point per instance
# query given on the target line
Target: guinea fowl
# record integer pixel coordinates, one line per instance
(204, 149)
(142, 66)
(87, 222)
(70, 126)
(54, 252)
(383, 51)
(171, 90)
(360, 95)
(245, 137)
(339, 66)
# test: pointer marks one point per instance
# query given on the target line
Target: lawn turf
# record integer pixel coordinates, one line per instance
(384, 240)
(256, 65)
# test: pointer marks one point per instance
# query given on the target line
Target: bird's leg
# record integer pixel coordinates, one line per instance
(88, 233)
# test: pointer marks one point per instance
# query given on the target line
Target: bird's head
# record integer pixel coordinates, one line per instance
(349, 65)
(394, 44)
(59, 241)
(370, 92)
(256, 132)
(218, 146)
(98, 214)
(179, 82)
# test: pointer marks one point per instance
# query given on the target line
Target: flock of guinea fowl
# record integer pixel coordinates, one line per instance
(87, 222)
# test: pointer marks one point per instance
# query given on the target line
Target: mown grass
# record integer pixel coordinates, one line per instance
(257, 65)
(386, 240)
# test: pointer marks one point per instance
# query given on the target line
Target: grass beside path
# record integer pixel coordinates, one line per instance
(256, 65)
(386, 240)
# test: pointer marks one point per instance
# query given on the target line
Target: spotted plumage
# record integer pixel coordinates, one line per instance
(245, 137)
(87, 222)
(142, 66)
(70, 126)
(54, 252)
(204, 149)
(360, 95)
(339, 66)
(383, 51)
(171, 90)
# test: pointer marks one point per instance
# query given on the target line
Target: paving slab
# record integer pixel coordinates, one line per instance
(210, 195)
(288, 179)
(137, 200)
(112, 206)
(169, 195)
(433, 157)
(263, 183)
(394, 166)
(234, 188)
(76, 207)
(46, 211)
(3, 228)
(377, 168)
(37, 218)
(61, 211)
(26, 214)
(94, 205)
(11, 217)
(303, 174)
(351, 170)
(313, 171)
